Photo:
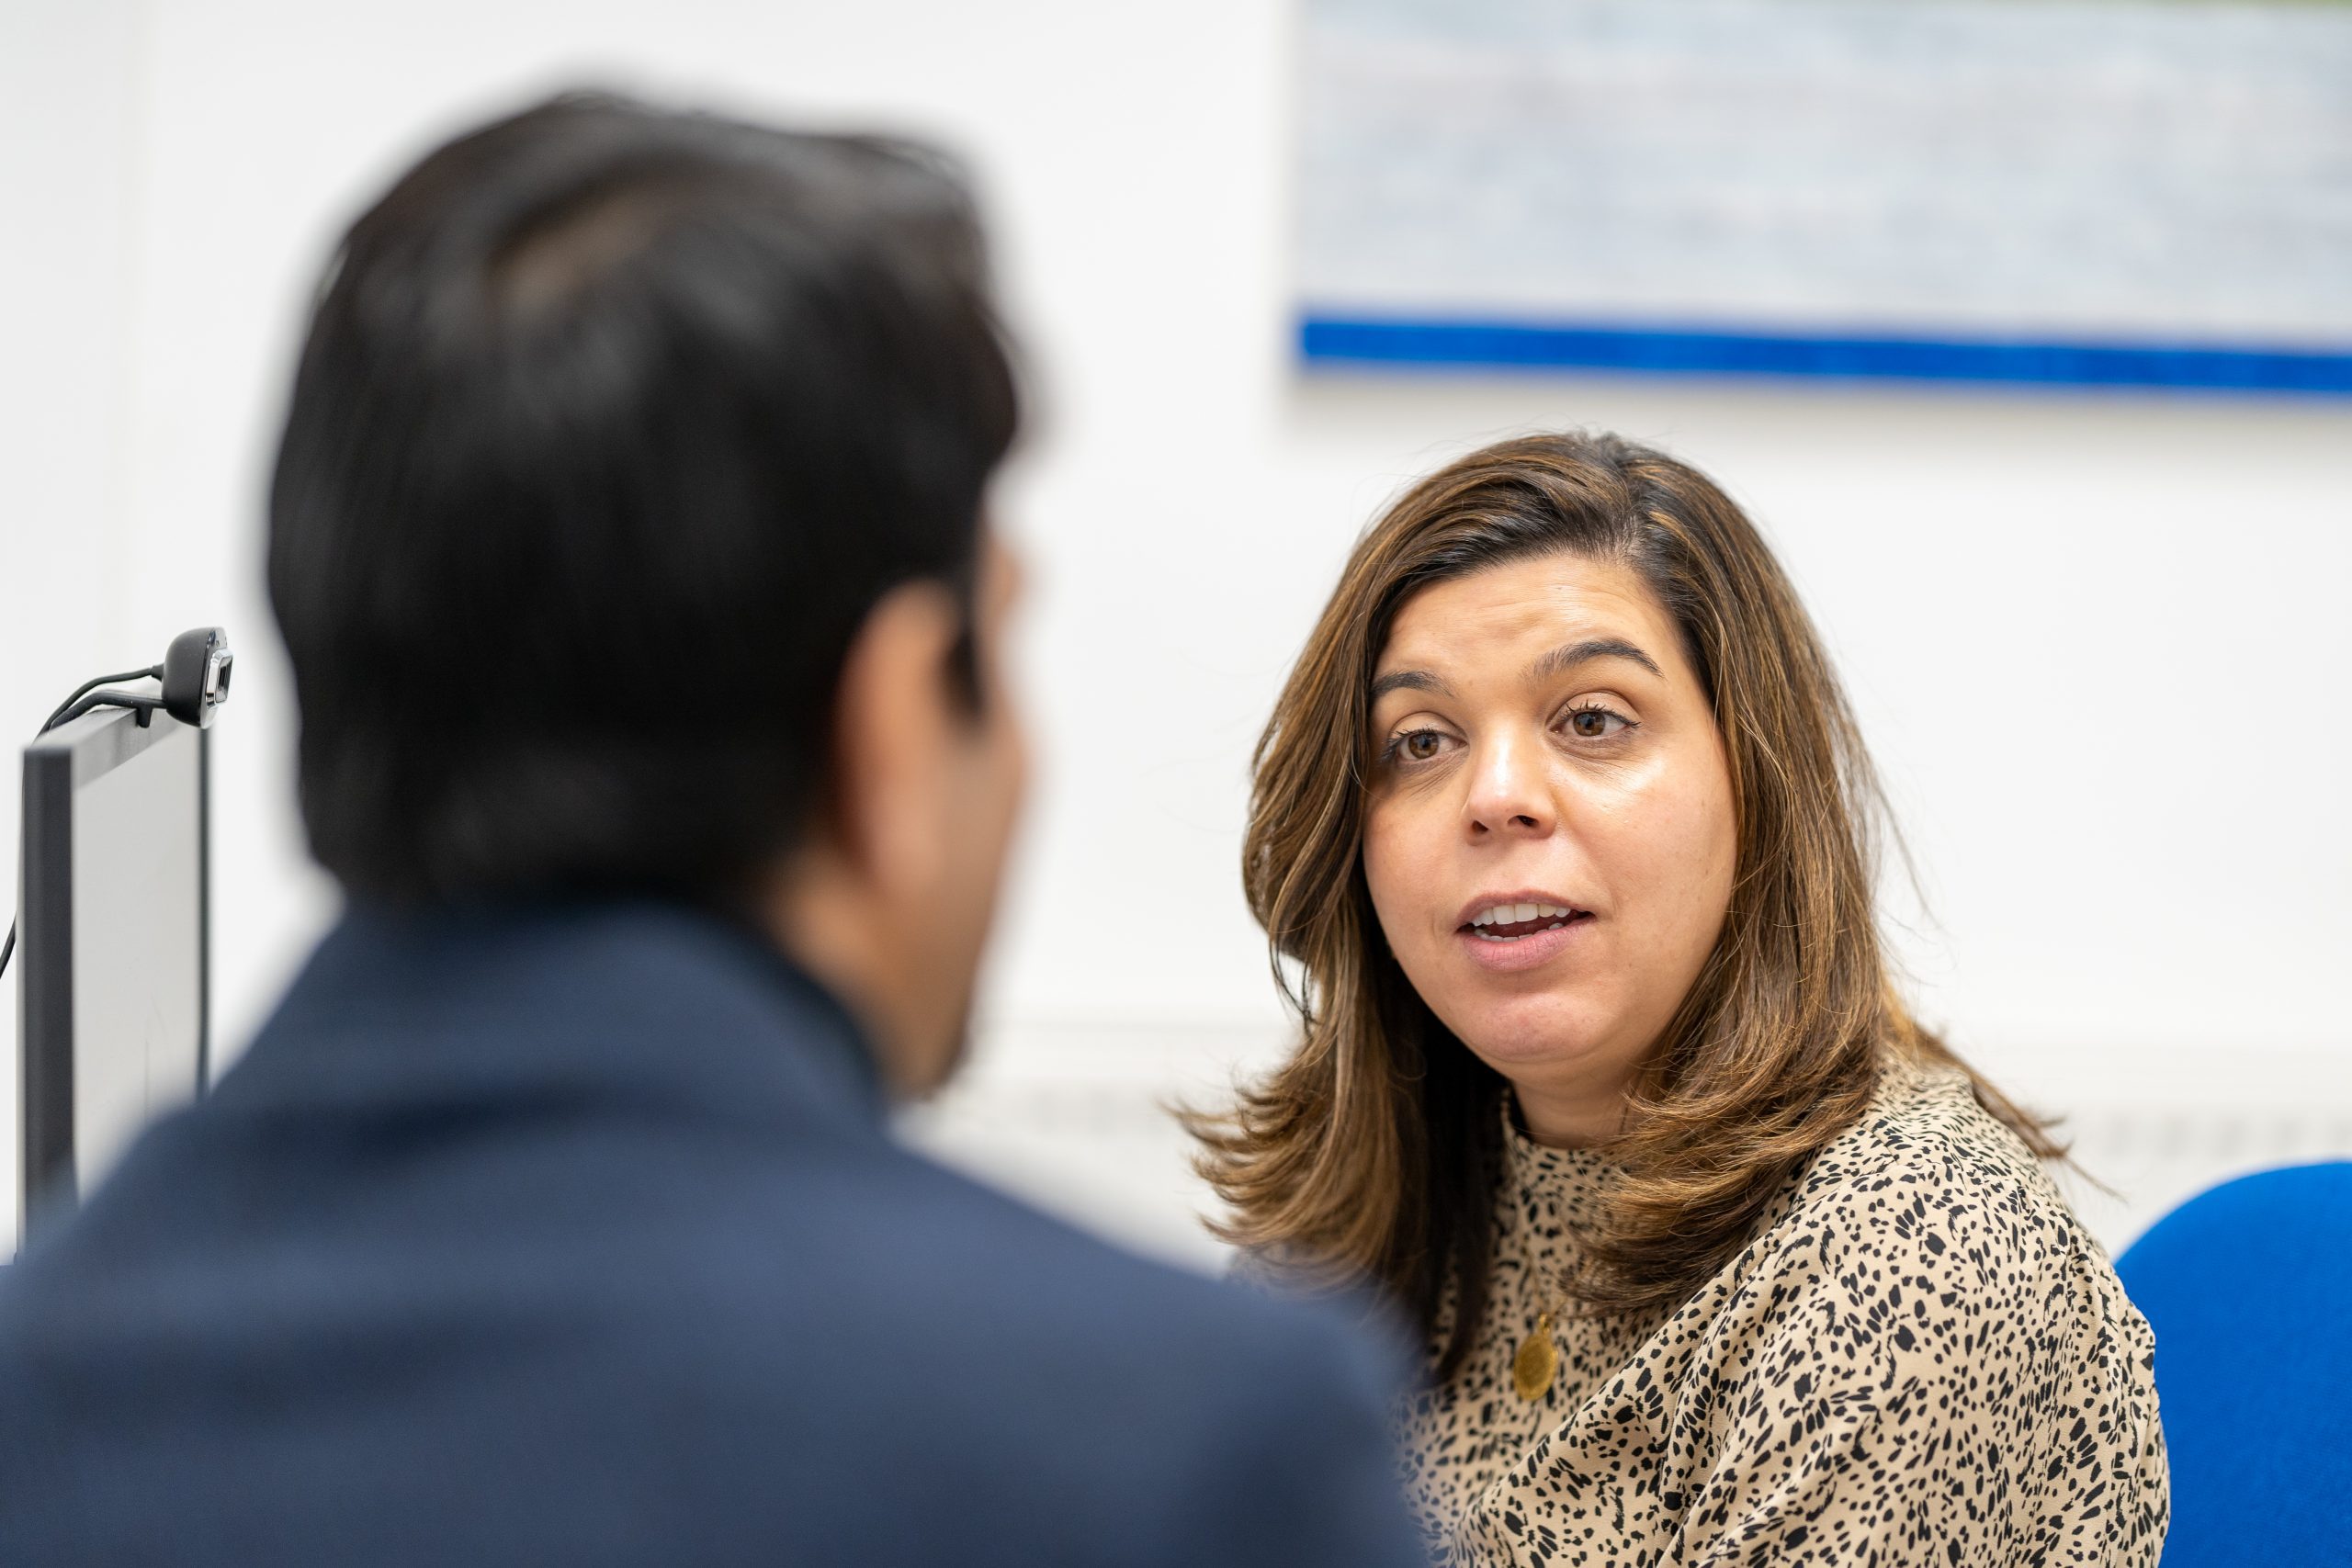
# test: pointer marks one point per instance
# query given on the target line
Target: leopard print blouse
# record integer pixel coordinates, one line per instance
(1921, 1357)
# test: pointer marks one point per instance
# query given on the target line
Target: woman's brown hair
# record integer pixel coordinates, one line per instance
(1373, 1153)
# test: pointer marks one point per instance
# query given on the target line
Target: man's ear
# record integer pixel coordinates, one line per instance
(892, 735)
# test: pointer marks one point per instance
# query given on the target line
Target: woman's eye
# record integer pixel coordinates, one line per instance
(1418, 745)
(1596, 724)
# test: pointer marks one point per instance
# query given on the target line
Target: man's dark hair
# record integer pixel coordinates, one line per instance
(613, 426)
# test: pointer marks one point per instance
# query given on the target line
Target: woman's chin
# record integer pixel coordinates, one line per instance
(1538, 1032)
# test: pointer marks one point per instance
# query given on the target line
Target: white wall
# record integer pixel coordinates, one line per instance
(67, 183)
(2098, 641)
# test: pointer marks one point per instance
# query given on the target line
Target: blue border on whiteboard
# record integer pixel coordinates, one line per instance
(1329, 340)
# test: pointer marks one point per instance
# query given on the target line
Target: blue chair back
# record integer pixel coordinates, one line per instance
(2249, 1289)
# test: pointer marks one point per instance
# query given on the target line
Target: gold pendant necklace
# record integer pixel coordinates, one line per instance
(1538, 1361)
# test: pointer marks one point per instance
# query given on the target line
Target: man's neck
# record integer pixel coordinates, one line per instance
(815, 916)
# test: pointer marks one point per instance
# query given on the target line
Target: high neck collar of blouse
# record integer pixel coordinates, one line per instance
(1566, 1182)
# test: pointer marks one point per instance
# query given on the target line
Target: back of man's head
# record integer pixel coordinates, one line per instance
(613, 426)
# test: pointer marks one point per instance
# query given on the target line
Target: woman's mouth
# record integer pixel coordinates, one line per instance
(1508, 935)
(1514, 923)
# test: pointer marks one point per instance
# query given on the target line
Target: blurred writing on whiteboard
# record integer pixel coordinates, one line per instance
(2092, 190)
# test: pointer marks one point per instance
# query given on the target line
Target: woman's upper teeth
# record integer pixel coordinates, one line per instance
(1512, 914)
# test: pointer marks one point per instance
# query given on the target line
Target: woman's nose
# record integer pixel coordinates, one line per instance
(1509, 791)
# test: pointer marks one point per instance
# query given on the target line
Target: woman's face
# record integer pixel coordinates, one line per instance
(1549, 836)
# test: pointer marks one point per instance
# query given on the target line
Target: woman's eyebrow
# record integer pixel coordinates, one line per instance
(1568, 656)
(1409, 680)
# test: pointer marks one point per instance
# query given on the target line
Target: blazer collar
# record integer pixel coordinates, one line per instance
(640, 1003)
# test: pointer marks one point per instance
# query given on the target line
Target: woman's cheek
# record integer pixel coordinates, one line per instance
(1670, 854)
(1398, 881)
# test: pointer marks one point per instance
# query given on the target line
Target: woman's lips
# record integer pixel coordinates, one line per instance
(1497, 949)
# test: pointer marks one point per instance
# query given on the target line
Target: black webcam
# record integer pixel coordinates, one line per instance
(195, 676)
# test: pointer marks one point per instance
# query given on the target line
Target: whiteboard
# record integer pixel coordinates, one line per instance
(2031, 190)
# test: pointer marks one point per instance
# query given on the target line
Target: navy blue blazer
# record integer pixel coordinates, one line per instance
(577, 1237)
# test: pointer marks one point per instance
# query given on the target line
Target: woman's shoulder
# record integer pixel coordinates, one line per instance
(1931, 1189)
(1923, 1316)
(1927, 1142)
(1926, 1249)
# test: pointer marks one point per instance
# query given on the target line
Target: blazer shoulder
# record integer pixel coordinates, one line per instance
(1045, 1364)
(929, 1270)
(1092, 1292)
